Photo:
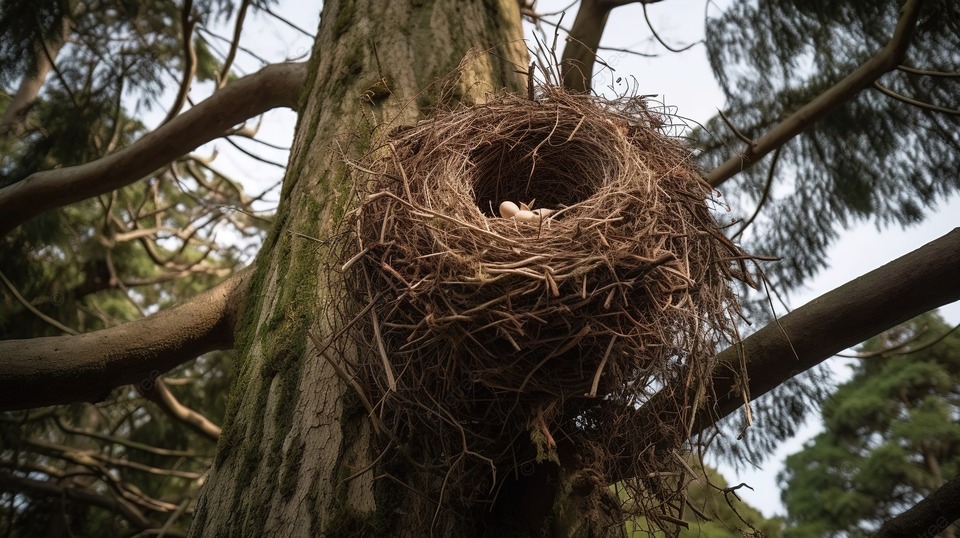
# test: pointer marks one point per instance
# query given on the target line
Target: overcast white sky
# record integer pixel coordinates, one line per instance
(683, 80)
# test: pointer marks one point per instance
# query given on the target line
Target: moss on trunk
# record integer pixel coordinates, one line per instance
(294, 432)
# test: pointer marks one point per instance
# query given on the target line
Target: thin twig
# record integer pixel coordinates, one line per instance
(928, 72)
(603, 362)
(744, 138)
(232, 53)
(763, 196)
(33, 310)
(910, 101)
(187, 25)
(646, 17)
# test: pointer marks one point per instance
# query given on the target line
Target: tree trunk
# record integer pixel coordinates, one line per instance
(294, 431)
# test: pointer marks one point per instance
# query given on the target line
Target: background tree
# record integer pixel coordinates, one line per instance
(102, 470)
(831, 100)
(292, 434)
(891, 436)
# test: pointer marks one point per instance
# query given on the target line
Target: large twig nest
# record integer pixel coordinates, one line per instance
(487, 329)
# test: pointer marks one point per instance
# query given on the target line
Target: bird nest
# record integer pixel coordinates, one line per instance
(497, 335)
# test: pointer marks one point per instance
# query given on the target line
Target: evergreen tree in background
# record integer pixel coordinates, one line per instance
(882, 148)
(892, 436)
(888, 151)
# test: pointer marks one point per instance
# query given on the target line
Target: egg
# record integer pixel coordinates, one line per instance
(525, 215)
(508, 210)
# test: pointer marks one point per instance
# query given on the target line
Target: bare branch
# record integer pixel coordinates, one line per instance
(62, 369)
(883, 298)
(254, 156)
(244, 134)
(898, 350)
(159, 394)
(619, 3)
(733, 128)
(91, 458)
(274, 86)
(629, 51)
(129, 512)
(659, 39)
(288, 23)
(583, 42)
(232, 53)
(884, 61)
(249, 52)
(928, 72)
(527, 10)
(187, 25)
(910, 101)
(33, 310)
(763, 197)
(125, 443)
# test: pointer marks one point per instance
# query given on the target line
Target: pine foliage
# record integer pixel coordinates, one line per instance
(873, 158)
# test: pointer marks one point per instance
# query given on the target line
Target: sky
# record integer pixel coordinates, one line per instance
(682, 80)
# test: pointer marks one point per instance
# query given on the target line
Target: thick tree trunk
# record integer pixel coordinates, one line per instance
(294, 431)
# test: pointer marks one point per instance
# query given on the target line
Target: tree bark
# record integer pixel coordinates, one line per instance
(293, 431)
(580, 52)
(86, 367)
(928, 518)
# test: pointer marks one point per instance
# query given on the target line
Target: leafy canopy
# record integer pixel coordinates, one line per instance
(872, 158)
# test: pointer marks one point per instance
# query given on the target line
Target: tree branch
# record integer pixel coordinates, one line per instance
(883, 298)
(33, 80)
(33, 310)
(928, 517)
(884, 61)
(920, 104)
(159, 394)
(274, 86)
(580, 52)
(583, 41)
(187, 25)
(62, 369)
(928, 72)
(646, 17)
(879, 300)
(129, 512)
(127, 444)
(619, 3)
(104, 469)
(285, 21)
(232, 52)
